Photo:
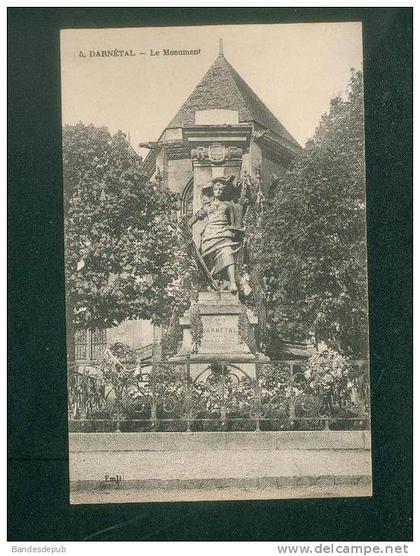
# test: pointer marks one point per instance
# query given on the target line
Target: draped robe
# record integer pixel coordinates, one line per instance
(222, 236)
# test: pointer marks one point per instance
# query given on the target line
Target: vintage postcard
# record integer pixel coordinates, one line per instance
(216, 274)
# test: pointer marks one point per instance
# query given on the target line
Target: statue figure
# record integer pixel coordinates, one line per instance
(221, 239)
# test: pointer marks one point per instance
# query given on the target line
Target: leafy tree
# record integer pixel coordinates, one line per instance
(123, 254)
(312, 245)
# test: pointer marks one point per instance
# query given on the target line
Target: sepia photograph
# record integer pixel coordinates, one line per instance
(216, 263)
(209, 279)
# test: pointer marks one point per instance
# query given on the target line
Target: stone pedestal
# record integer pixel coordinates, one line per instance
(221, 316)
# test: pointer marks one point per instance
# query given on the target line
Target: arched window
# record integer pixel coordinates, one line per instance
(187, 199)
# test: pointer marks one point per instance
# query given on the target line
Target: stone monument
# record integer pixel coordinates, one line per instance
(222, 129)
(218, 327)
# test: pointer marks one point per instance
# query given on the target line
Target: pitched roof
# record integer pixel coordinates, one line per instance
(223, 88)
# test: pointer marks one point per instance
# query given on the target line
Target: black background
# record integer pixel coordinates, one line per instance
(37, 440)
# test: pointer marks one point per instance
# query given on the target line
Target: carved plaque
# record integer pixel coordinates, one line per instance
(218, 331)
(217, 153)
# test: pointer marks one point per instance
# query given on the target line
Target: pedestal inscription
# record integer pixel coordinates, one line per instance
(219, 313)
(220, 332)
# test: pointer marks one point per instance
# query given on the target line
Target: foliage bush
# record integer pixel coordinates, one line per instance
(312, 245)
(327, 386)
(125, 254)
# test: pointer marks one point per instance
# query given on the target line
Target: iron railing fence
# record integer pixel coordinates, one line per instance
(205, 395)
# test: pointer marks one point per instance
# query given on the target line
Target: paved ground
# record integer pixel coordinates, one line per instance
(217, 464)
(218, 475)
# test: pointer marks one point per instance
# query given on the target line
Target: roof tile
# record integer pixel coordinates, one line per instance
(223, 88)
